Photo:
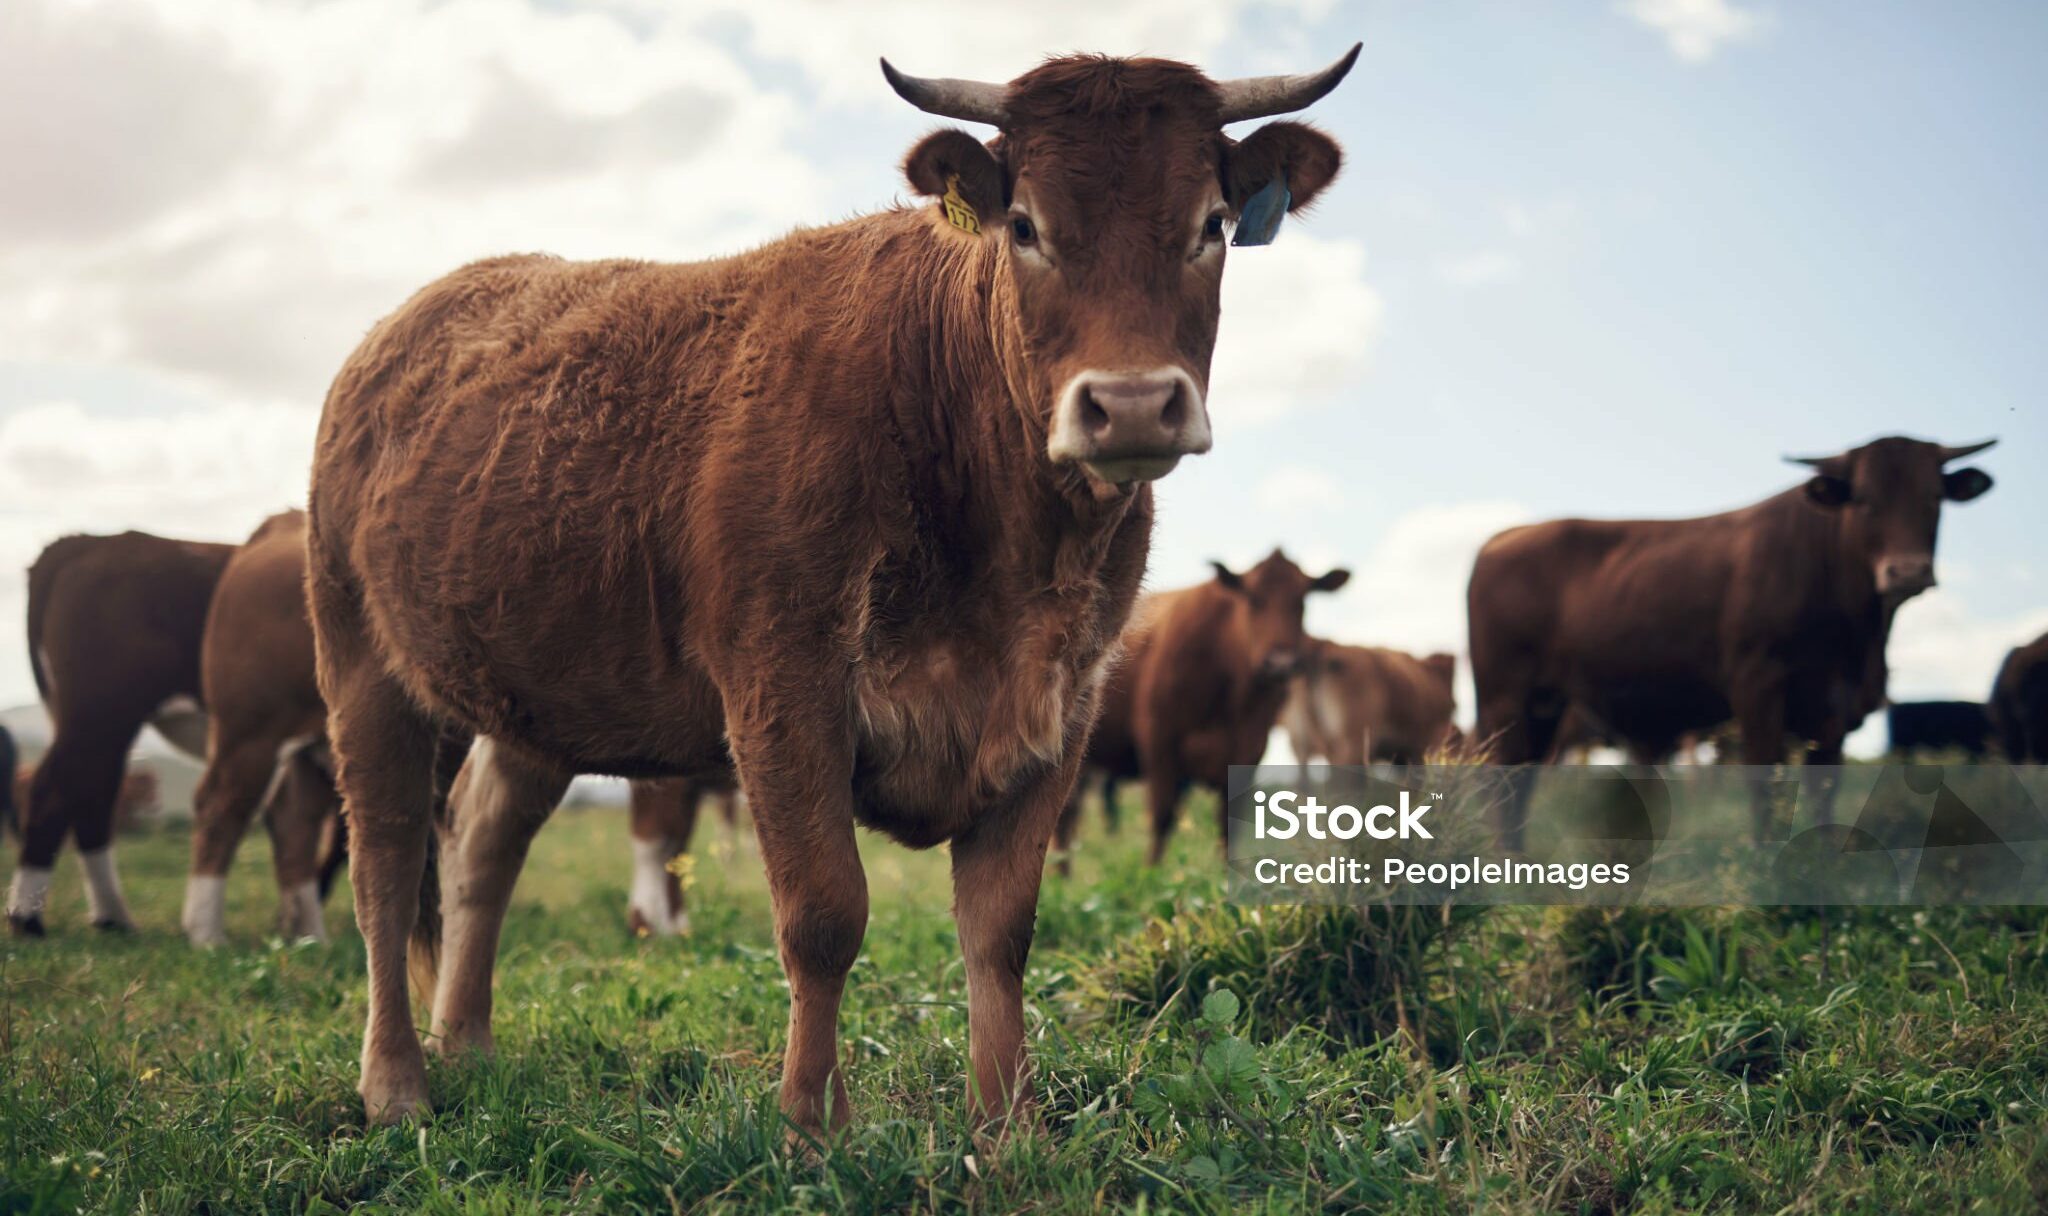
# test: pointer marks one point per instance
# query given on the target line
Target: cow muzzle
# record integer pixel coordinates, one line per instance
(1126, 427)
(1908, 575)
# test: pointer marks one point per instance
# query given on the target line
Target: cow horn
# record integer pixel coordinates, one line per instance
(966, 100)
(1812, 462)
(1263, 96)
(1968, 449)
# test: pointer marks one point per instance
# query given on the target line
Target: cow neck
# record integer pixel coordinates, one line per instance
(973, 445)
(1850, 586)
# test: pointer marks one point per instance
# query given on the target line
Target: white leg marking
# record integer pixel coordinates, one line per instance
(30, 890)
(103, 889)
(206, 906)
(650, 887)
(302, 916)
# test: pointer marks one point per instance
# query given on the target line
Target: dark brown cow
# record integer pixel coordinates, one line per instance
(1774, 615)
(866, 503)
(1203, 679)
(2019, 703)
(114, 624)
(1355, 704)
(267, 744)
(664, 817)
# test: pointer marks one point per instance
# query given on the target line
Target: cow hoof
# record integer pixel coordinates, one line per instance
(25, 926)
(113, 926)
(394, 1101)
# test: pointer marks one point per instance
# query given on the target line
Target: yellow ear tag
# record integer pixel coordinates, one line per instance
(958, 213)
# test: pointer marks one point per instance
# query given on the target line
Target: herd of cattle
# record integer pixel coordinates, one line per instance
(856, 523)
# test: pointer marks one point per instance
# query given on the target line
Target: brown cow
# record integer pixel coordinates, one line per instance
(2019, 703)
(1352, 705)
(113, 634)
(866, 504)
(1202, 683)
(1775, 614)
(664, 816)
(267, 745)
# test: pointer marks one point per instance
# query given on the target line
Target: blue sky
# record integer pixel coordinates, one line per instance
(1600, 259)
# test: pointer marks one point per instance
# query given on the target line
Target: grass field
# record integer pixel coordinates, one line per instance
(1517, 1060)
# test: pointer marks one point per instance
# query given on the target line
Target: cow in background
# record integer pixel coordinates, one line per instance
(1203, 678)
(10, 768)
(2019, 703)
(267, 746)
(664, 819)
(1775, 615)
(1938, 726)
(114, 627)
(1352, 705)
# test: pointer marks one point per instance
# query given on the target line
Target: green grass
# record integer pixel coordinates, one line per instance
(1513, 1061)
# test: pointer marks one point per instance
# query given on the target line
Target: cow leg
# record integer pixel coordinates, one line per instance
(997, 868)
(1064, 832)
(239, 777)
(798, 775)
(500, 800)
(1112, 815)
(300, 810)
(73, 792)
(385, 751)
(1760, 718)
(664, 815)
(1163, 786)
(1820, 776)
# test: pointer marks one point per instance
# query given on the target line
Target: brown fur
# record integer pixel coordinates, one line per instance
(266, 722)
(1202, 683)
(2019, 703)
(1653, 628)
(664, 813)
(1355, 704)
(114, 625)
(621, 517)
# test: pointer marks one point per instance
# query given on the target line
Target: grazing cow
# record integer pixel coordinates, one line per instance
(664, 820)
(1939, 726)
(1775, 614)
(114, 624)
(267, 746)
(1204, 677)
(2019, 703)
(866, 506)
(1351, 705)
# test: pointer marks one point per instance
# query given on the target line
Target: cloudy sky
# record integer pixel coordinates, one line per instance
(1597, 258)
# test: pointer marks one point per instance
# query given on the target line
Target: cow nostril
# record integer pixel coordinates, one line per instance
(1094, 419)
(1175, 414)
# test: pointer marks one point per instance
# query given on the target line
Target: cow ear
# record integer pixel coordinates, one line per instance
(949, 161)
(1330, 581)
(1226, 577)
(1962, 485)
(1304, 157)
(1826, 491)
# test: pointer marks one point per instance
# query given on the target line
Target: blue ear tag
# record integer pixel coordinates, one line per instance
(1259, 221)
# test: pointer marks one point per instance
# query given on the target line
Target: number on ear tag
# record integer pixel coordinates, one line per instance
(1259, 221)
(958, 212)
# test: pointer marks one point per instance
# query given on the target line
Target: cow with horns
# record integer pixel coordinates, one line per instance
(869, 504)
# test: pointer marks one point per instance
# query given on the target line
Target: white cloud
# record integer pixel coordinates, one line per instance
(1941, 650)
(210, 473)
(1277, 353)
(1696, 29)
(1479, 269)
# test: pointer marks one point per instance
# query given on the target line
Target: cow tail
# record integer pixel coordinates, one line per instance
(423, 950)
(42, 582)
(335, 859)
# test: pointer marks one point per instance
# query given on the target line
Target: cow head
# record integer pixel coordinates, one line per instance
(1271, 598)
(1443, 666)
(1888, 495)
(1104, 204)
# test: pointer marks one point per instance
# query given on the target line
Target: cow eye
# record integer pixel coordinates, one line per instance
(1022, 230)
(1212, 228)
